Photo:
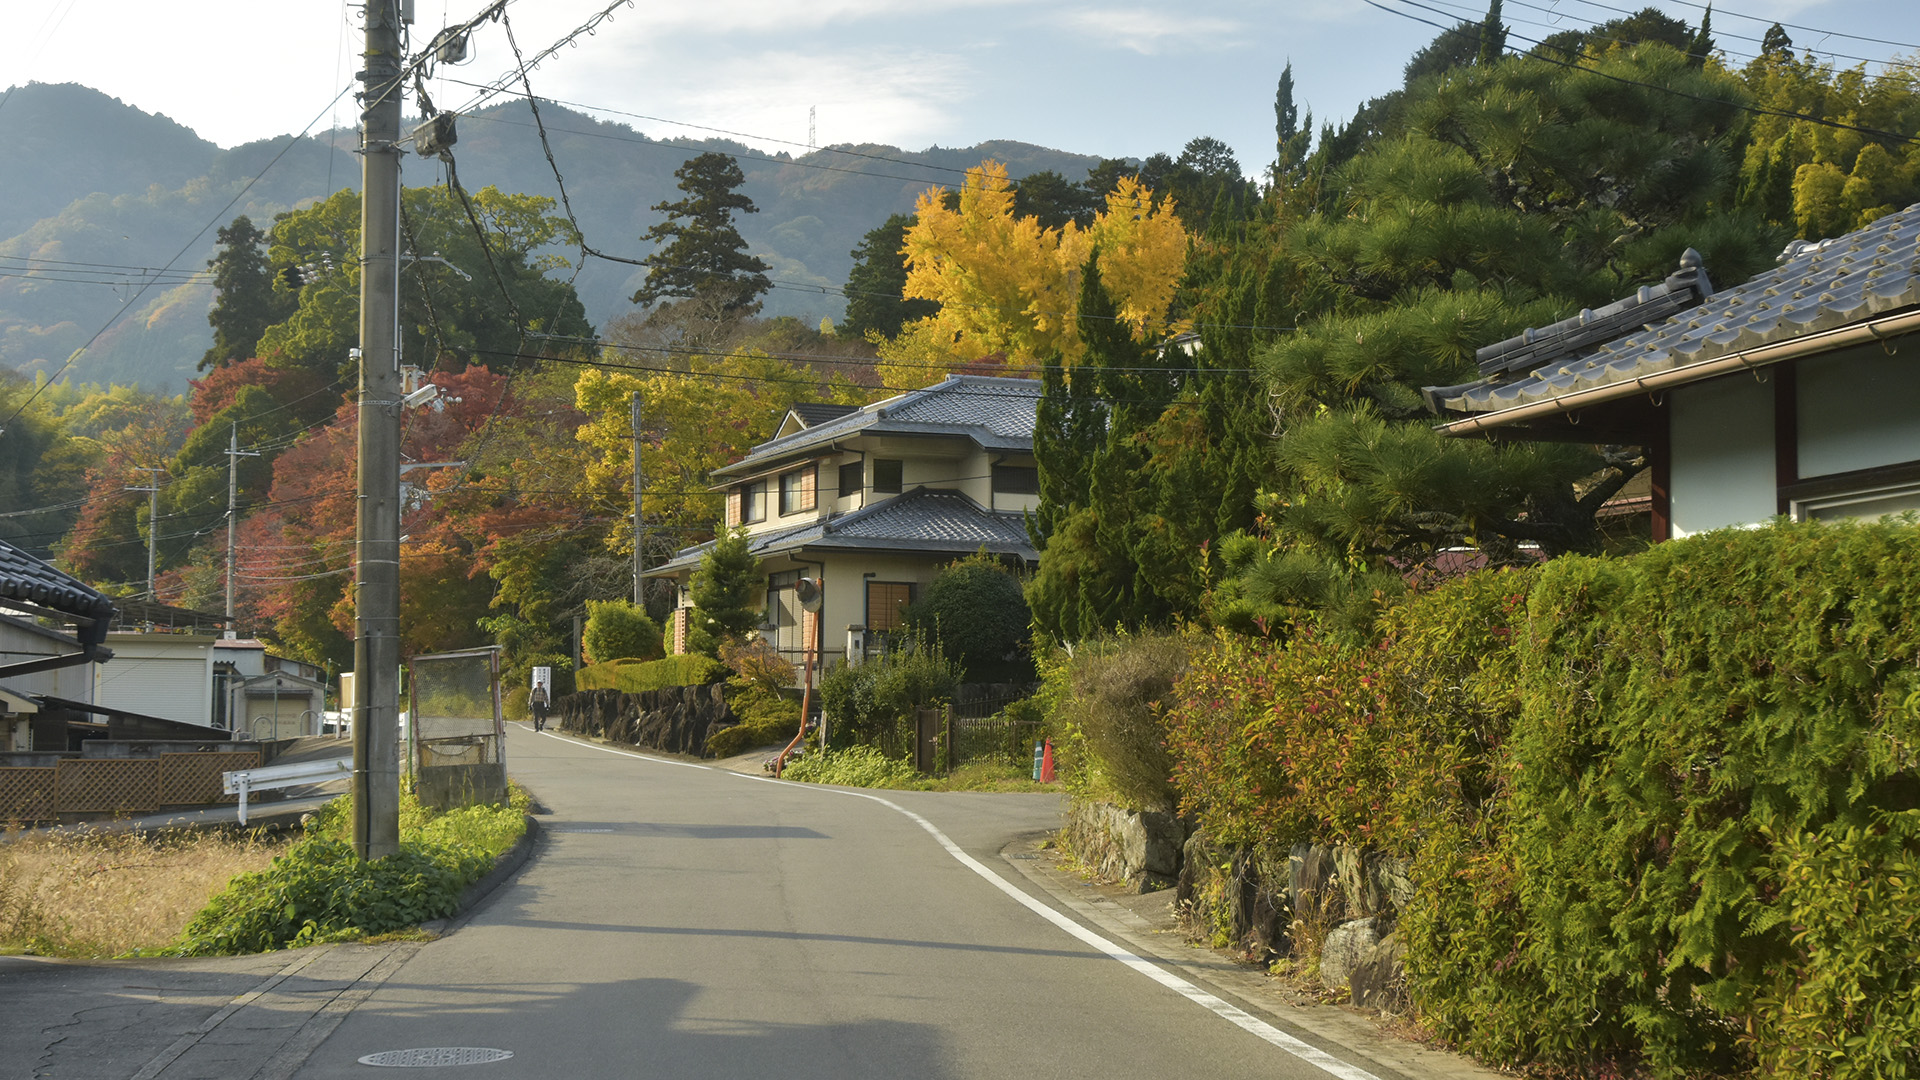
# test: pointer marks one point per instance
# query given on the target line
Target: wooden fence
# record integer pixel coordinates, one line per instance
(117, 785)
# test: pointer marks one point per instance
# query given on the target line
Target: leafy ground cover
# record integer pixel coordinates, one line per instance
(865, 766)
(317, 891)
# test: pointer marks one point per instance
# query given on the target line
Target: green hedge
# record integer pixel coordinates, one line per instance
(634, 676)
(1661, 808)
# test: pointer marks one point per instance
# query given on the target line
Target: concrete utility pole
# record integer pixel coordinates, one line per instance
(234, 454)
(376, 642)
(153, 521)
(640, 527)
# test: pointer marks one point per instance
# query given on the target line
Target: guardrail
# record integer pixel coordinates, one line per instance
(244, 781)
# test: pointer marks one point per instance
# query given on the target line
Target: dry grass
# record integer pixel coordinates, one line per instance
(90, 893)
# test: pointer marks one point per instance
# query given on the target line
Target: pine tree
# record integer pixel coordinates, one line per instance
(875, 285)
(245, 303)
(701, 252)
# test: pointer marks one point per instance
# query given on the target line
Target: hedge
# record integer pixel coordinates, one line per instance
(1662, 809)
(635, 676)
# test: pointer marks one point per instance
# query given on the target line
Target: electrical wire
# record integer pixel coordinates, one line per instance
(188, 246)
(1760, 110)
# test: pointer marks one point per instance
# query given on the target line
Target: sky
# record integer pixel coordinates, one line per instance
(1112, 79)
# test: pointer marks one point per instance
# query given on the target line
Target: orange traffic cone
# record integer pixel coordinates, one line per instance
(1046, 764)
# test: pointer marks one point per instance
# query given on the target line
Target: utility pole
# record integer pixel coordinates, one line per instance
(639, 526)
(152, 489)
(376, 642)
(234, 454)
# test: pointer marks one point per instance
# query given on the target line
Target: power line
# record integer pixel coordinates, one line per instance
(1786, 25)
(188, 246)
(1537, 54)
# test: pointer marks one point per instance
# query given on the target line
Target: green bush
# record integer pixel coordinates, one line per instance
(978, 612)
(766, 717)
(616, 630)
(690, 669)
(855, 766)
(872, 704)
(319, 891)
(1660, 808)
(1109, 718)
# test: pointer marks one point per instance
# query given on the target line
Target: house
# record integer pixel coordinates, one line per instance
(1797, 393)
(212, 681)
(873, 502)
(51, 627)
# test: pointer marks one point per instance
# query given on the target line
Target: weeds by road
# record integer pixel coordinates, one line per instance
(93, 893)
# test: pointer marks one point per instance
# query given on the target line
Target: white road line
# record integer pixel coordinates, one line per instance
(1226, 1010)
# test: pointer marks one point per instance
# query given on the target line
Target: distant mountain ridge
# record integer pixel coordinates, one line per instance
(108, 189)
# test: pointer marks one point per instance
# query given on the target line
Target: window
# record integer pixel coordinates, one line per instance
(885, 599)
(747, 503)
(1016, 480)
(852, 476)
(1861, 504)
(888, 474)
(797, 491)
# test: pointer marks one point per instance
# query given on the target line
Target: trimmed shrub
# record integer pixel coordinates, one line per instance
(616, 630)
(978, 611)
(690, 669)
(1661, 809)
(766, 717)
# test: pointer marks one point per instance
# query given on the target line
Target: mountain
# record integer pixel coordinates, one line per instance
(119, 189)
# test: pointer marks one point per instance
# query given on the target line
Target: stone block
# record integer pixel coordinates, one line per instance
(1345, 947)
(1379, 980)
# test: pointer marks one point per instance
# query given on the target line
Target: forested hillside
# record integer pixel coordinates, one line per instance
(107, 190)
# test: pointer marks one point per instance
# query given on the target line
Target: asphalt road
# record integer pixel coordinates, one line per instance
(683, 921)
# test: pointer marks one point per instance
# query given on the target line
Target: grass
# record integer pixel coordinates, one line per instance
(864, 766)
(92, 893)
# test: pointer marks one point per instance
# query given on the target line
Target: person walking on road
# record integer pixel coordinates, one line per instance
(537, 703)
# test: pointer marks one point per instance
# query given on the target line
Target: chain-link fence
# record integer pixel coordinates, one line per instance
(455, 731)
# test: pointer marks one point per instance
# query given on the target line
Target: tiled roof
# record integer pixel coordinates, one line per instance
(30, 581)
(1817, 287)
(996, 413)
(924, 519)
(819, 412)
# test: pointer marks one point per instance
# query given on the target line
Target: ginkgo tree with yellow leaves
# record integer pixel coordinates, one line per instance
(702, 413)
(1009, 287)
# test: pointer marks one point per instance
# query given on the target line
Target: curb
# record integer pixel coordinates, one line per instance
(505, 867)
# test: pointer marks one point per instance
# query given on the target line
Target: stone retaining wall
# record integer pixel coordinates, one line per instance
(678, 719)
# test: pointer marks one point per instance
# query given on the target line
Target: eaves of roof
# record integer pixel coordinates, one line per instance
(996, 413)
(1823, 295)
(928, 520)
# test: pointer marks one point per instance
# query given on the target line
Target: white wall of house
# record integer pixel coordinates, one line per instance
(1858, 409)
(1722, 455)
(164, 675)
(22, 641)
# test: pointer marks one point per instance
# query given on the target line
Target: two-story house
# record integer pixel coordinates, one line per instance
(873, 502)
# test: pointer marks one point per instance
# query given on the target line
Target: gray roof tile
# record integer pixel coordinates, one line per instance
(995, 412)
(1817, 287)
(924, 519)
(30, 581)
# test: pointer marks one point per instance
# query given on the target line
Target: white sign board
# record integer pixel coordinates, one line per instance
(543, 677)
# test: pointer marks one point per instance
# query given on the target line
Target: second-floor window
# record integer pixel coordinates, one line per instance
(798, 490)
(1016, 480)
(852, 476)
(888, 474)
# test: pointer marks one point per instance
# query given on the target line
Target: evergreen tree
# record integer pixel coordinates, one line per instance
(245, 303)
(1776, 42)
(1493, 36)
(1702, 45)
(877, 282)
(1293, 134)
(725, 587)
(701, 253)
(1053, 200)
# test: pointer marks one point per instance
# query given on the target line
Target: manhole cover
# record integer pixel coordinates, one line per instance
(429, 1057)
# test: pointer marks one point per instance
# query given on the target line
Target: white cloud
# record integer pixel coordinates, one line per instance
(1147, 31)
